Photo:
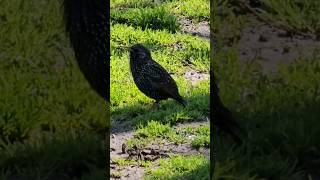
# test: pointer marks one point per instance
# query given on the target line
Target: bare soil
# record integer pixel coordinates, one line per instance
(194, 77)
(201, 29)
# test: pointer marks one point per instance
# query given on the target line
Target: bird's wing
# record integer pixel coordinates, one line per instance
(161, 79)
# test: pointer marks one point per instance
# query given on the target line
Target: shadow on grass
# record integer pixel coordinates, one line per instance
(130, 117)
(55, 156)
(283, 144)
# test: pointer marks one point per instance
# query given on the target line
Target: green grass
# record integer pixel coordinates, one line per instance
(202, 138)
(299, 15)
(161, 42)
(158, 133)
(279, 111)
(54, 156)
(192, 9)
(147, 18)
(123, 4)
(181, 167)
(124, 162)
(44, 97)
(296, 16)
(155, 25)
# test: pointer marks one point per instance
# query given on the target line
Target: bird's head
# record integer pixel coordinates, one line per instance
(139, 53)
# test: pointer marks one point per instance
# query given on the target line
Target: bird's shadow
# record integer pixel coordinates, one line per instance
(131, 117)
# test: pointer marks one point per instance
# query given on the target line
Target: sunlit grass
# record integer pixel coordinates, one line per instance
(181, 167)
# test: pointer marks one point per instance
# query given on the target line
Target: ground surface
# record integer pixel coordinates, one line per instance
(271, 47)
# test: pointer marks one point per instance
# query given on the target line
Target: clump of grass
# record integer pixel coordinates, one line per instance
(192, 9)
(116, 175)
(131, 4)
(298, 15)
(124, 162)
(202, 138)
(154, 129)
(201, 141)
(200, 135)
(157, 18)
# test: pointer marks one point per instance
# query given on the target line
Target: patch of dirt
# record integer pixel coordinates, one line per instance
(273, 46)
(195, 76)
(151, 153)
(201, 29)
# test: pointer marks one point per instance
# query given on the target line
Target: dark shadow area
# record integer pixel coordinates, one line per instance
(282, 144)
(55, 156)
(279, 113)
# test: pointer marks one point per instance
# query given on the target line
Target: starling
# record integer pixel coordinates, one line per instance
(222, 117)
(150, 77)
(87, 23)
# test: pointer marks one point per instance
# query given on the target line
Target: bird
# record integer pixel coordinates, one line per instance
(87, 24)
(151, 78)
(222, 116)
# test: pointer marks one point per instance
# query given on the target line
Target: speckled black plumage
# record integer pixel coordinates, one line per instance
(88, 29)
(150, 77)
(87, 24)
